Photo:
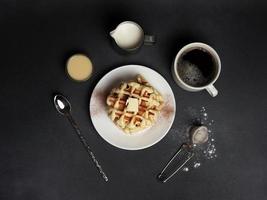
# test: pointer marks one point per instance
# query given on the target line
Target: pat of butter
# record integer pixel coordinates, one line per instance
(132, 105)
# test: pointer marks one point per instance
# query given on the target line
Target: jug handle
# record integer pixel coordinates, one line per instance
(149, 40)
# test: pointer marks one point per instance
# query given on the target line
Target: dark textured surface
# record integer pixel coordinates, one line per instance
(42, 158)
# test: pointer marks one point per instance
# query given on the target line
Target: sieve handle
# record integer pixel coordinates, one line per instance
(189, 154)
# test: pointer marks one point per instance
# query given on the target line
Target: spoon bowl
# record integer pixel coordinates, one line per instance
(62, 104)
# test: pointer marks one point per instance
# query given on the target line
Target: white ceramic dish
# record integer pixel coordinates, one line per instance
(113, 134)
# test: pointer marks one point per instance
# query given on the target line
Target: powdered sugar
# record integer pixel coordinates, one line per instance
(197, 164)
(185, 169)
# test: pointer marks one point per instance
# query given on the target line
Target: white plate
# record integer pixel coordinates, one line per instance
(113, 134)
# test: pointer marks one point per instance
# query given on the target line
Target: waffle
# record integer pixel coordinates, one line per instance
(135, 105)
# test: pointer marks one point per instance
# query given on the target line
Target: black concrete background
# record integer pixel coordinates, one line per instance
(41, 157)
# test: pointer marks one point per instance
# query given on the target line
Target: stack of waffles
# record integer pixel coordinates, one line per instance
(134, 105)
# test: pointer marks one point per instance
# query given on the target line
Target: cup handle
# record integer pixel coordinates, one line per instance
(212, 90)
(149, 40)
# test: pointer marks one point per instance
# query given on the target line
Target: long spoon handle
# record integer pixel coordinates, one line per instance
(86, 146)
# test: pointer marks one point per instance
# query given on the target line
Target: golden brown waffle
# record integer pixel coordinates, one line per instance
(150, 102)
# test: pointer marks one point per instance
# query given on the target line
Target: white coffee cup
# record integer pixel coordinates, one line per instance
(216, 68)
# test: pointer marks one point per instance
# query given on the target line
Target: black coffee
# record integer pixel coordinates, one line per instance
(196, 68)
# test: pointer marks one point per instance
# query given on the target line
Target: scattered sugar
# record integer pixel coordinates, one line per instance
(197, 164)
(211, 151)
(185, 169)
